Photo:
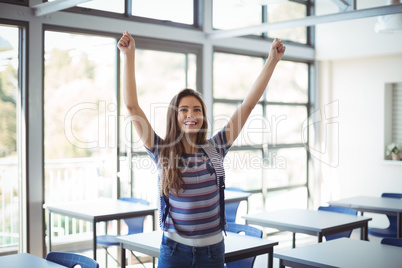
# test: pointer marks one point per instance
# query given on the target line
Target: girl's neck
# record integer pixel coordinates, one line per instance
(189, 144)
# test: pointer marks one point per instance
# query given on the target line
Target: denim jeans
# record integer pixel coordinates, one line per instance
(176, 255)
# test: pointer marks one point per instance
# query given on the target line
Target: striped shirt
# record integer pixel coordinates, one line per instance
(194, 212)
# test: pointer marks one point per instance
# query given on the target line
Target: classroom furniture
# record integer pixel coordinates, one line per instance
(71, 260)
(393, 241)
(338, 210)
(24, 260)
(232, 207)
(247, 230)
(237, 246)
(342, 252)
(105, 209)
(382, 205)
(311, 222)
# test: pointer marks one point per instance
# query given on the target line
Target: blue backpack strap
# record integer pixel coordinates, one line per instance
(217, 162)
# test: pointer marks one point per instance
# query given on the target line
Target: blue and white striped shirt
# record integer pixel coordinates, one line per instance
(194, 212)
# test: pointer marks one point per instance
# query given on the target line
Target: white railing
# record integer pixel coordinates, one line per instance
(72, 179)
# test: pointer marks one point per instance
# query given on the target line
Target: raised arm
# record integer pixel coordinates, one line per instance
(140, 122)
(240, 116)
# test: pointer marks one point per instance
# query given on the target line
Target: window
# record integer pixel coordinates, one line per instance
(9, 142)
(116, 6)
(392, 116)
(160, 75)
(79, 121)
(180, 11)
(270, 146)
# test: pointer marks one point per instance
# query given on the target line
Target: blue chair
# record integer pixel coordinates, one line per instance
(231, 208)
(71, 260)
(391, 230)
(393, 241)
(135, 225)
(247, 230)
(338, 210)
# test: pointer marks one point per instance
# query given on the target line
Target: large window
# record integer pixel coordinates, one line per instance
(160, 75)
(80, 115)
(229, 15)
(9, 142)
(270, 146)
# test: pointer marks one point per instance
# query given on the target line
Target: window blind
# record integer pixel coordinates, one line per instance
(397, 113)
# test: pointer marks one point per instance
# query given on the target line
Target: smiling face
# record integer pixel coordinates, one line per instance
(190, 115)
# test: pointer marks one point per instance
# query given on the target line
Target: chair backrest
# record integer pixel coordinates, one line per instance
(71, 260)
(393, 241)
(247, 230)
(231, 208)
(338, 210)
(392, 219)
(135, 225)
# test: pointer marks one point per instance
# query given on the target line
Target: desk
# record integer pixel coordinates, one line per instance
(342, 252)
(383, 205)
(97, 211)
(233, 196)
(25, 260)
(312, 222)
(237, 246)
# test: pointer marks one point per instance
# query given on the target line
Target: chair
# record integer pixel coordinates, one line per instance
(231, 208)
(71, 260)
(393, 241)
(247, 230)
(338, 210)
(135, 226)
(391, 230)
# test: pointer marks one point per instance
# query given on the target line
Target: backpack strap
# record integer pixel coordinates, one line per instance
(217, 162)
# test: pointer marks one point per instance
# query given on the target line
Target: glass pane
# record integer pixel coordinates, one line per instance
(116, 6)
(289, 83)
(254, 129)
(226, 14)
(243, 169)
(292, 198)
(172, 73)
(174, 10)
(286, 167)
(9, 172)
(288, 11)
(234, 75)
(80, 117)
(286, 124)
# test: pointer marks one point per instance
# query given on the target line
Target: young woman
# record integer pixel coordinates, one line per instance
(192, 223)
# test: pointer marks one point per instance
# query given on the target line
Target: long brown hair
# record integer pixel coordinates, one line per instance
(172, 149)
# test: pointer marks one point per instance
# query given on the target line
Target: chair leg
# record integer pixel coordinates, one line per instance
(138, 259)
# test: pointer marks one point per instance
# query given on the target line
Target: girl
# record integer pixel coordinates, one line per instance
(192, 221)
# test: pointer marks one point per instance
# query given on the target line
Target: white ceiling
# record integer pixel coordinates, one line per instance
(353, 38)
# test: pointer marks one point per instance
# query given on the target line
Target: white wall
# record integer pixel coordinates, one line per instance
(354, 63)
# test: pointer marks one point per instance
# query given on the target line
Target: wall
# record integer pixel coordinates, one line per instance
(353, 64)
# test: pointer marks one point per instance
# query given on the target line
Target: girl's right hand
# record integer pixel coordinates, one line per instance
(126, 44)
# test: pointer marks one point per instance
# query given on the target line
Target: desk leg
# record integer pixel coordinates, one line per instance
(271, 258)
(364, 232)
(94, 239)
(319, 237)
(399, 225)
(122, 256)
(281, 265)
(49, 229)
(294, 240)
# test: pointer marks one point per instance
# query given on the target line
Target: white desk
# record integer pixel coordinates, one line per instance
(342, 252)
(25, 260)
(313, 222)
(383, 205)
(97, 211)
(237, 247)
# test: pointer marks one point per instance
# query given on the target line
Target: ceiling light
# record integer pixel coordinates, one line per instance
(389, 23)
